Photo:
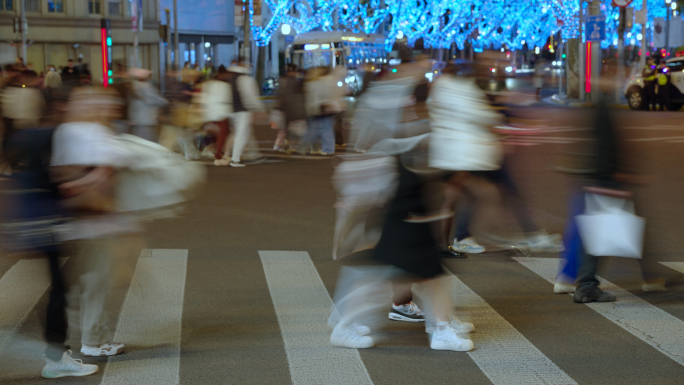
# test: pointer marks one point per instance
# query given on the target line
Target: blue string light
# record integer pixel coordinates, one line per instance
(440, 23)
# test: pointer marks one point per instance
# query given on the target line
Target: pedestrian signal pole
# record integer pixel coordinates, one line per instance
(106, 36)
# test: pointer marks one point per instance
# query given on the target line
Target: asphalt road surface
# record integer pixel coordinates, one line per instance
(237, 290)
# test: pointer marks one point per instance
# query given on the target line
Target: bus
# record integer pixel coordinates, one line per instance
(338, 48)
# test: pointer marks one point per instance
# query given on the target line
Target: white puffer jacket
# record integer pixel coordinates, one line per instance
(460, 119)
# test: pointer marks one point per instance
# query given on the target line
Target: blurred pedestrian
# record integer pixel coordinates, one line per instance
(37, 218)
(245, 98)
(216, 100)
(649, 76)
(85, 158)
(321, 107)
(291, 103)
(52, 78)
(600, 178)
(71, 74)
(663, 85)
(144, 103)
(462, 143)
(22, 107)
(393, 172)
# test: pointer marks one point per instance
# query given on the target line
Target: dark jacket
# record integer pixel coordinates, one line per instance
(291, 99)
(605, 159)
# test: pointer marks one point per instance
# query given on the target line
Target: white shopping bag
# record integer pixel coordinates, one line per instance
(609, 227)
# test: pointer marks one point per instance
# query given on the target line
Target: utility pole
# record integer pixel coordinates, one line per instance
(667, 26)
(582, 63)
(594, 9)
(560, 67)
(246, 32)
(621, 55)
(644, 48)
(24, 27)
(175, 38)
(167, 38)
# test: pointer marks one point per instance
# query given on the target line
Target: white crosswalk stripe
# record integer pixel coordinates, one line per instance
(496, 338)
(679, 266)
(302, 305)
(17, 299)
(150, 322)
(647, 322)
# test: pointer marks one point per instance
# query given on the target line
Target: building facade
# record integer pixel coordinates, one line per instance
(206, 31)
(59, 30)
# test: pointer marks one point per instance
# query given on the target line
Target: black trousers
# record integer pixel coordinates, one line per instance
(649, 95)
(56, 320)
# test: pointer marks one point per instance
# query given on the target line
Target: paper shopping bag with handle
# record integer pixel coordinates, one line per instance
(609, 227)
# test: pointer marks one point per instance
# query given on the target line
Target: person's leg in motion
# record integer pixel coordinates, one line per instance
(463, 242)
(56, 320)
(438, 306)
(58, 361)
(220, 156)
(97, 257)
(403, 308)
(327, 135)
(242, 123)
(587, 285)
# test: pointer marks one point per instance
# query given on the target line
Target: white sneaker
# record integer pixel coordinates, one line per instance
(468, 246)
(408, 313)
(362, 329)
(221, 162)
(67, 367)
(541, 242)
(563, 288)
(458, 326)
(236, 164)
(445, 338)
(349, 337)
(104, 350)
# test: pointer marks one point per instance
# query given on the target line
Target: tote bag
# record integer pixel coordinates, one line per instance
(609, 227)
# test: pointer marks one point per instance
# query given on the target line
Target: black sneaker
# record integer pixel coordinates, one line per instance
(592, 295)
(449, 252)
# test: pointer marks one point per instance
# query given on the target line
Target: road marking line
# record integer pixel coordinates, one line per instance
(656, 139)
(302, 305)
(649, 323)
(503, 354)
(150, 321)
(679, 266)
(20, 289)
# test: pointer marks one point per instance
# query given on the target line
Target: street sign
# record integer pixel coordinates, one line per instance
(289, 39)
(595, 27)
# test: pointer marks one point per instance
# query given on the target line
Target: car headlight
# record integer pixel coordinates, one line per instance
(509, 69)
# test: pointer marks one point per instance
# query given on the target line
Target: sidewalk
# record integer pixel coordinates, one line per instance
(559, 100)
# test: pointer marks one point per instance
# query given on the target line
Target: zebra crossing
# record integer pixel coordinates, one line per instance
(150, 323)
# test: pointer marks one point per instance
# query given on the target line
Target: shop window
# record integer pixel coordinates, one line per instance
(56, 6)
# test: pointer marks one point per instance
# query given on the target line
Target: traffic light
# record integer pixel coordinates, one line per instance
(106, 35)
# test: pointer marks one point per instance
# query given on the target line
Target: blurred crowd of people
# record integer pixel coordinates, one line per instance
(407, 187)
(408, 191)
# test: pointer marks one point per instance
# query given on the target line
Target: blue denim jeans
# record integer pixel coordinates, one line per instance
(320, 128)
